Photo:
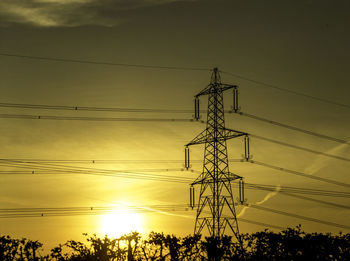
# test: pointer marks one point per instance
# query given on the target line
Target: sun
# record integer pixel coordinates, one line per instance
(119, 223)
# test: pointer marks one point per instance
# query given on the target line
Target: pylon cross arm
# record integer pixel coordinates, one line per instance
(204, 179)
(206, 137)
(229, 134)
(211, 88)
(199, 139)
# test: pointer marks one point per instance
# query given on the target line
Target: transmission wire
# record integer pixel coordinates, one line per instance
(288, 90)
(80, 170)
(300, 148)
(143, 110)
(339, 183)
(293, 128)
(88, 108)
(105, 63)
(74, 118)
(298, 216)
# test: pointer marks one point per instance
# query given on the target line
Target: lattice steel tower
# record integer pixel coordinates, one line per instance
(216, 206)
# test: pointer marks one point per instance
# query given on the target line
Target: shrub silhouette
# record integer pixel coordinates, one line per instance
(289, 244)
(15, 249)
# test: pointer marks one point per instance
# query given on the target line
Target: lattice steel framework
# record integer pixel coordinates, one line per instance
(216, 207)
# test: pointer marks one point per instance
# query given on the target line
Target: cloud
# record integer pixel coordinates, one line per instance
(70, 13)
(266, 198)
(322, 162)
(269, 195)
(167, 213)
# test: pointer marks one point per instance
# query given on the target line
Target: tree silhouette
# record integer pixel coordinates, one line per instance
(190, 247)
(132, 240)
(289, 244)
(19, 249)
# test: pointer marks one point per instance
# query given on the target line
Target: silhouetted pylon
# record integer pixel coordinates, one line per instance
(216, 206)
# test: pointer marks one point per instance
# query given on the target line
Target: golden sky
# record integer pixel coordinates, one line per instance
(302, 46)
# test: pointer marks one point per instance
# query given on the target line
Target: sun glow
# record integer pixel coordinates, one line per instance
(122, 222)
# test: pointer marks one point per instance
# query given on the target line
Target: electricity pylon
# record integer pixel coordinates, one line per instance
(216, 206)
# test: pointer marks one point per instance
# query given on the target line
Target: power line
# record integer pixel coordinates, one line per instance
(298, 216)
(114, 208)
(91, 171)
(138, 110)
(42, 58)
(95, 171)
(46, 117)
(130, 174)
(293, 128)
(288, 90)
(300, 148)
(149, 110)
(113, 173)
(105, 161)
(339, 183)
(284, 192)
(118, 174)
(69, 168)
(60, 107)
(316, 200)
(71, 171)
(76, 211)
(105, 63)
(167, 178)
(102, 161)
(172, 68)
(298, 190)
(88, 108)
(260, 223)
(46, 168)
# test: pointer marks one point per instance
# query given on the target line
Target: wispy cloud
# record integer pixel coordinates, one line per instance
(70, 13)
(266, 198)
(321, 162)
(167, 213)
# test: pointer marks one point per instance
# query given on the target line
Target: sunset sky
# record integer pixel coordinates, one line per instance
(301, 46)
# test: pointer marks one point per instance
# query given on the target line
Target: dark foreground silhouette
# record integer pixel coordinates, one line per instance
(290, 244)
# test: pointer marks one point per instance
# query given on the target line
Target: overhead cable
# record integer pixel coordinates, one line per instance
(293, 128)
(298, 173)
(74, 169)
(286, 193)
(316, 200)
(172, 68)
(288, 90)
(88, 108)
(260, 223)
(55, 59)
(167, 178)
(104, 161)
(44, 170)
(54, 212)
(72, 118)
(150, 110)
(333, 224)
(60, 169)
(147, 110)
(300, 148)
(298, 190)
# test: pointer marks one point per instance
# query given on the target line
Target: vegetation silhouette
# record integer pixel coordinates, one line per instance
(289, 244)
